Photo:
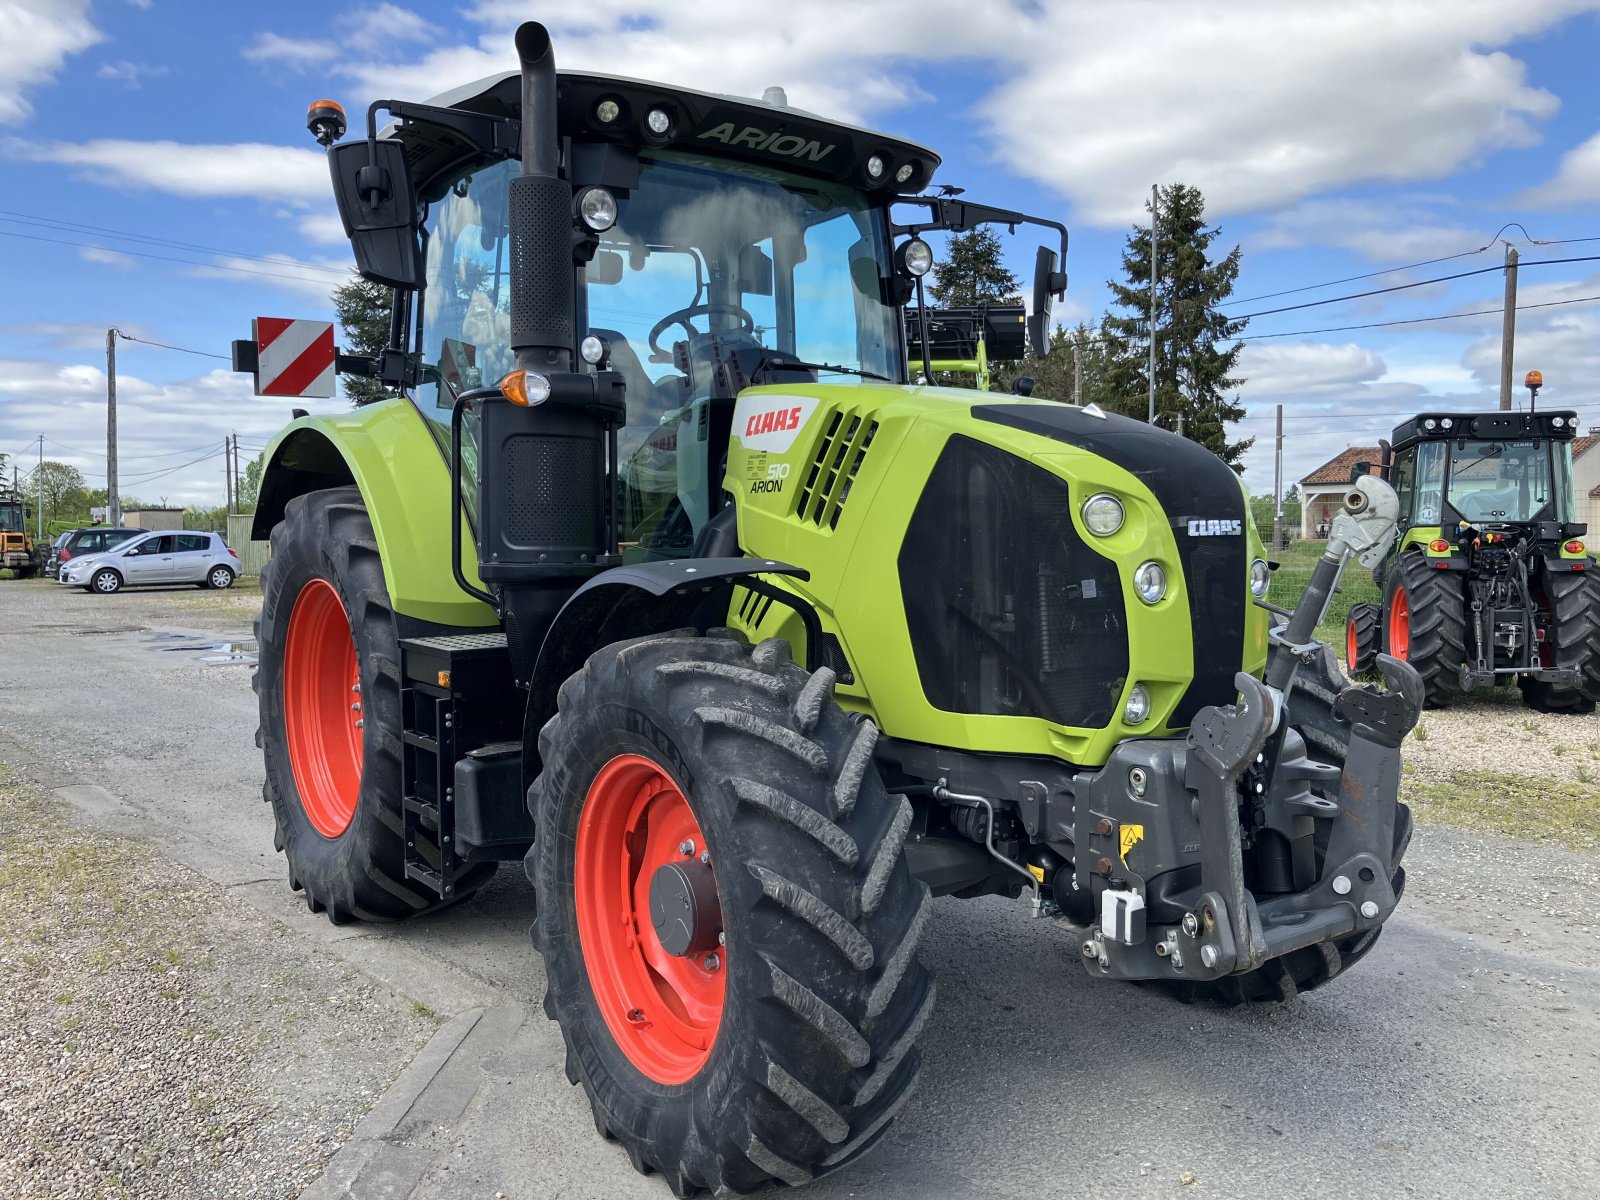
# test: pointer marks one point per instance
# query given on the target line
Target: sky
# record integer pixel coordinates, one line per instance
(159, 180)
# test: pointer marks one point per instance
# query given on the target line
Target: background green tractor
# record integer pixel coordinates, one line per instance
(758, 647)
(1490, 582)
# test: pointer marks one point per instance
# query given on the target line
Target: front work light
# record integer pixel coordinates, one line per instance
(597, 208)
(1102, 514)
(1260, 578)
(525, 388)
(914, 257)
(1137, 710)
(1150, 581)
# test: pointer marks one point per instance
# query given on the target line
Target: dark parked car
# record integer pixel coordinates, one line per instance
(78, 542)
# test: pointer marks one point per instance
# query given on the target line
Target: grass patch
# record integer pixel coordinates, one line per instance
(1295, 565)
(1530, 809)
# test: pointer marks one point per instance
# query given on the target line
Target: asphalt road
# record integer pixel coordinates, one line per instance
(1462, 1057)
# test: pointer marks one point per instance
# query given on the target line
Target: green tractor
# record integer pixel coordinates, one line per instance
(1490, 582)
(661, 578)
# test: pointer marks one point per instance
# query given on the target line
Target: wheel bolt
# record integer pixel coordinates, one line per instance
(712, 962)
(1369, 909)
(686, 848)
(1208, 955)
(1341, 884)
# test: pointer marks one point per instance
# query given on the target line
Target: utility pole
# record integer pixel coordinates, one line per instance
(113, 501)
(1277, 487)
(1155, 226)
(227, 473)
(1508, 334)
(238, 475)
(1077, 371)
(39, 492)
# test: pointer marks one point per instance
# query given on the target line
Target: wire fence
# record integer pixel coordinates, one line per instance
(1296, 563)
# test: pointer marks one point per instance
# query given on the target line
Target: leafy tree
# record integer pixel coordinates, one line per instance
(363, 311)
(1194, 374)
(55, 484)
(973, 272)
(250, 486)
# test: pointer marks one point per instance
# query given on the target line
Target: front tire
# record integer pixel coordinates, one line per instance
(792, 1052)
(105, 582)
(220, 579)
(1425, 624)
(329, 694)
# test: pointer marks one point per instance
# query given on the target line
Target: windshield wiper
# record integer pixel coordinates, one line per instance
(768, 359)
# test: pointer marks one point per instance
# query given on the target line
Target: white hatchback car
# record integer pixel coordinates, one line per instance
(155, 558)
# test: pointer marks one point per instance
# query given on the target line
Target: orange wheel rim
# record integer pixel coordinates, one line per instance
(662, 1010)
(322, 708)
(1350, 643)
(1400, 625)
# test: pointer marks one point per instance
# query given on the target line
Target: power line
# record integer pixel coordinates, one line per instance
(1401, 287)
(19, 218)
(188, 262)
(1478, 312)
(128, 337)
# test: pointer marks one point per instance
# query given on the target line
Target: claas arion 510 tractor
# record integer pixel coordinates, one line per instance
(1490, 581)
(661, 578)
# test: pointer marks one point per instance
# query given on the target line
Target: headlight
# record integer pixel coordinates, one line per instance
(597, 208)
(1260, 578)
(1102, 514)
(1150, 581)
(914, 257)
(1137, 710)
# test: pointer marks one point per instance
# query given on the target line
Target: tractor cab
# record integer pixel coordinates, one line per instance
(1458, 470)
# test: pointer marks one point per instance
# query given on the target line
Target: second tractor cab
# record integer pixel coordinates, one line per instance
(1491, 581)
(17, 552)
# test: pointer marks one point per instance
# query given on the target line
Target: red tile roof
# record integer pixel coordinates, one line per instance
(1586, 442)
(1337, 469)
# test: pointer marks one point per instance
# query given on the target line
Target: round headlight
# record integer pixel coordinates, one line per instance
(593, 349)
(1260, 578)
(1102, 514)
(658, 121)
(916, 257)
(1137, 710)
(598, 208)
(607, 111)
(876, 167)
(1150, 581)
(1445, 423)
(1430, 423)
(1558, 422)
(906, 171)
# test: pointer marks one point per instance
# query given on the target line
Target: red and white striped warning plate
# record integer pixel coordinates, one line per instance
(293, 358)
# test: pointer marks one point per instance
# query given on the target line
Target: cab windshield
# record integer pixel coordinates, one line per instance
(1500, 481)
(11, 518)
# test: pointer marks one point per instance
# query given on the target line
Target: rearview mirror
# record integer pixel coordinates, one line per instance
(378, 205)
(755, 272)
(1048, 282)
(605, 268)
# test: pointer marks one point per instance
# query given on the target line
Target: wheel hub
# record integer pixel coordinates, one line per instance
(684, 908)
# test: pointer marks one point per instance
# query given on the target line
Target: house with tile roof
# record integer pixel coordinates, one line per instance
(1322, 491)
(1586, 481)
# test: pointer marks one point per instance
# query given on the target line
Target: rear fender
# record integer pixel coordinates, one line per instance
(387, 452)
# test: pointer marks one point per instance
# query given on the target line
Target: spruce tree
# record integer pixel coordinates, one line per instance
(1194, 365)
(973, 272)
(363, 311)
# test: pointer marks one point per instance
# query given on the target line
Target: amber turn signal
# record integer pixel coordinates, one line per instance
(1439, 546)
(1573, 547)
(525, 387)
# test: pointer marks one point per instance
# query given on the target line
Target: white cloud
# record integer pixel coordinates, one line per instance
(1276, 371)
(154, 419)
(68, 335)
(1379, 232)
(324, 228)
(296, 52)
(310, 281)
(1576, 181)
(129, 74)
(242, 169)
(108, 258)
(1263, 102)
(36, 38)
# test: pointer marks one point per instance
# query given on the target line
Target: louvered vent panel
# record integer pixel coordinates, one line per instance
(833, 469)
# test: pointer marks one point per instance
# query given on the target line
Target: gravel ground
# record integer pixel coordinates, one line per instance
(156, 1032)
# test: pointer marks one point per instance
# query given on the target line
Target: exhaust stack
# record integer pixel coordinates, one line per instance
(541, 219)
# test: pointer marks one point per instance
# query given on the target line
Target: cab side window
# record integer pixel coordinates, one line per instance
(1403, 475)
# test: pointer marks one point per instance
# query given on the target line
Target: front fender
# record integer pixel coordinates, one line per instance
(386, 451)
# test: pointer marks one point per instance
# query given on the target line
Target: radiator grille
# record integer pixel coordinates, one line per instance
(833, 468)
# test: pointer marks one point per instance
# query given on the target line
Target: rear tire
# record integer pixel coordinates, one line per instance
(1362, 638)
(1573, 599)
(1425, 624)
(813, 1049)
(335, 790)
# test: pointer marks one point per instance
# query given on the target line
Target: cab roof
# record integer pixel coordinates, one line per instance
(753, 131)
(1436, 426)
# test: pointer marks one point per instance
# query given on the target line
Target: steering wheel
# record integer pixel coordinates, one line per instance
(747, 323)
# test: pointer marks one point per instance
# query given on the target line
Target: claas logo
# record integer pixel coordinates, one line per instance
(771, 421)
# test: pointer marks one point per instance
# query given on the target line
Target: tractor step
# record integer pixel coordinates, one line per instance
(461, 765)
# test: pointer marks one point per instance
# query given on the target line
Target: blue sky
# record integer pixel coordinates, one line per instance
(1330, 140)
